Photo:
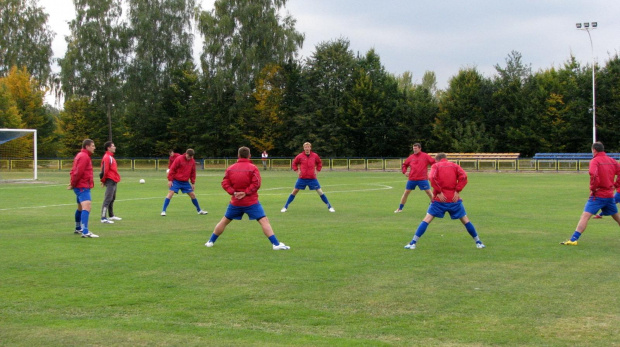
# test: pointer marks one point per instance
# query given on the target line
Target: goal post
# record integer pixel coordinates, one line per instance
(18, 154)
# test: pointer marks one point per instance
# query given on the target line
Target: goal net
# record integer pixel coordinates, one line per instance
(18, 154)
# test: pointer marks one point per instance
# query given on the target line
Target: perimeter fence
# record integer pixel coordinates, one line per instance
(336, 164)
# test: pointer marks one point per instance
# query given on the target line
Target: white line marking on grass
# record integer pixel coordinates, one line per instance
(378, 187)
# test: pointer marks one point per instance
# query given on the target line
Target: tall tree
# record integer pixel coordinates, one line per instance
(242, 37)
(9, 114)
(25, 38)
(330, 78)
(28, 98)
(96, 54)
(511, 104)
(161, 43)
(463, 107)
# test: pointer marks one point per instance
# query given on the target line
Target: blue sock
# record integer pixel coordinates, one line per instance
(401, 206)
(472, 231)
(418, 233)
(274, 240)
(576, 236)
(213, 237)
(78, 219)
(324, 198)
(84, 219)
(195, 202)
(290, 199)
(166, 203)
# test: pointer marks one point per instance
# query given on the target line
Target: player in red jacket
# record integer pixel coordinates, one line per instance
(109, 180)
(418, 164)
(81, 184)
(604, 179)
(242, 181)
(448, 180)
(308, 164)
(182, 172)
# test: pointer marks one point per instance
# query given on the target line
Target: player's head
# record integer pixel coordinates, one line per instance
(189, 154)
(89, 145)
(171, 152)
(417, 147)
(307, 147)
(243, 152)
(440, 156)
(109, 146)
(598, 147)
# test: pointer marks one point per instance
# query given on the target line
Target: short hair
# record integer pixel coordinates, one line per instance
(307, 143)
(108, 145)
(598, 146)
(190, 152)
(243, 152)
(440, 156)
(87, 143)
(417, 144)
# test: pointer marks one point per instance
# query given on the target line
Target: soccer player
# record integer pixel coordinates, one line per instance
(418, 164)
(604, 178)
(109, 180)
(182, 171)
(242, 181)
(308, 163)
(172, 158)
(448, 180)
(81, 183)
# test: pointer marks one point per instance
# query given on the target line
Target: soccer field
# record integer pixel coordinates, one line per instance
(347, 280)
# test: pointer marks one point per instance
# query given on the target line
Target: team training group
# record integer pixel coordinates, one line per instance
(242, 181)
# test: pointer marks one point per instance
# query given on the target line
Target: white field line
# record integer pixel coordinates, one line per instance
(378, 187)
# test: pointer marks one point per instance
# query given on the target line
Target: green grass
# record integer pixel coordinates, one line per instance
(347, 281)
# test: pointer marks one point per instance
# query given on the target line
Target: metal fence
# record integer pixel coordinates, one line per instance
(336, 164)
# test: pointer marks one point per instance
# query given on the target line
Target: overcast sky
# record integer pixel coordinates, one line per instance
(441, 36)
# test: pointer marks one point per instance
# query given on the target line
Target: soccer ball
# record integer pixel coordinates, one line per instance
(142, 181)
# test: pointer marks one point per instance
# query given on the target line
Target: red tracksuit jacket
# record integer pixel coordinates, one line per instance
(183, 170)
(418, 164)
(243, 176)
(306, 164)
(447, 177)
(604, 175)
(82, 170)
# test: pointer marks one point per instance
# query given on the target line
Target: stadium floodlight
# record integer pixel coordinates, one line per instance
(18, 154)
(587, 28)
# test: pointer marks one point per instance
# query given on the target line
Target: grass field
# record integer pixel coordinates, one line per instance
(347, 281)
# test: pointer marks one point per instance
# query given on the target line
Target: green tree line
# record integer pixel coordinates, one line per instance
(130, 77)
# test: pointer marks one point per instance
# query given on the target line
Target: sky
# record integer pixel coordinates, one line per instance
(440, 36)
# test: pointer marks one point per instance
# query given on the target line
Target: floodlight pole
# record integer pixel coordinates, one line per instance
(586, 27)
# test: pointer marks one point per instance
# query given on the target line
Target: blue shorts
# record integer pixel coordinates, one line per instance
(184, 186)
(606, 205)
(617, 198)
(455, 209)
(82, 194)
(422, 184)
(312, 183)
(254, 212)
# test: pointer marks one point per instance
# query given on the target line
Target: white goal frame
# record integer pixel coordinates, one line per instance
(34, 154)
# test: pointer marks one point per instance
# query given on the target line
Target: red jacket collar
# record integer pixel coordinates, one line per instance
(84, 150)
